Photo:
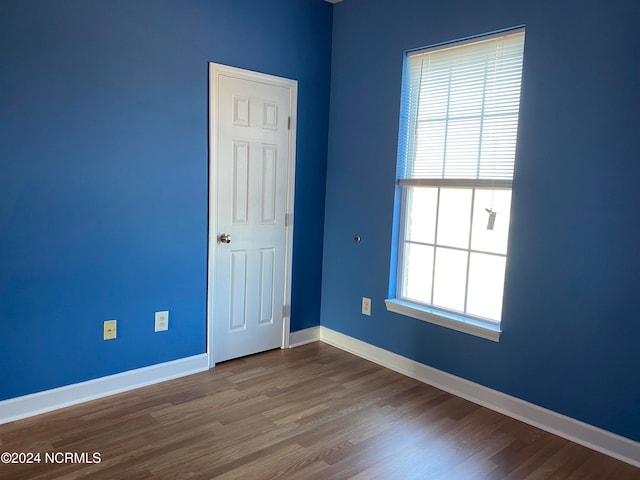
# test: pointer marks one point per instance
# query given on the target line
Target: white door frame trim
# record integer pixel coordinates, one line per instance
(215, 71)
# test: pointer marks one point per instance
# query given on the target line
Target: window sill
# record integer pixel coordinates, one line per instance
(461, 324)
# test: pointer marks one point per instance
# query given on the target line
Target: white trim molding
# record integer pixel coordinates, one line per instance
(595, 438)
(302, 337)
(454, 322)
(41, 402)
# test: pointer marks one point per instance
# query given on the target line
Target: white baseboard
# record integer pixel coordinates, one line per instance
(579, 432)
(41, 402)
(302, 337)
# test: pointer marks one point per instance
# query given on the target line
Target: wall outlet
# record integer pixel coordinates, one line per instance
(366, 306)
(109, 329)
(162, 321)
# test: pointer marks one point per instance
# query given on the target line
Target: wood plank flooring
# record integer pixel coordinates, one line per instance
(313, 412)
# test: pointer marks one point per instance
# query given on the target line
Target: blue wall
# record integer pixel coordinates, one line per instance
(571, 338)
(103, 173)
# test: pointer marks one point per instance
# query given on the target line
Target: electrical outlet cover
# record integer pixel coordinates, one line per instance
(366, 306)
(162, 321)
(110, 329)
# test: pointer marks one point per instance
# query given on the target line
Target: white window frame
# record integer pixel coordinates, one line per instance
(481, 327)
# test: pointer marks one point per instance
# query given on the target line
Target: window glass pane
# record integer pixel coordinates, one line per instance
(429, 149)
(454, 217)
(467, 87)
(498, 146)
(463, 142)
(486, 285)
(421, 214)
(434, 91)
(450, 278)
(495, 240)
(417, 272)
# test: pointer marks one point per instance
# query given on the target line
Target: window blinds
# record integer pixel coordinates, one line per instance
(460, 112)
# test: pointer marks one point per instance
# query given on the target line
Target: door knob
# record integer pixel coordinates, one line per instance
(225, 238)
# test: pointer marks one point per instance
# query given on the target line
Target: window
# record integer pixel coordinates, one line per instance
(456, 157)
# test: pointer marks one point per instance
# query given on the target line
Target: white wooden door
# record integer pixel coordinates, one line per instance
(251, 176)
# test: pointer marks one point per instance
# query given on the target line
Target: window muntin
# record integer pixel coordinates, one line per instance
(455, 166)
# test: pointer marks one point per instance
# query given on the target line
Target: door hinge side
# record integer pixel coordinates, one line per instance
(284, 311)
(289, 124)
(287, 219)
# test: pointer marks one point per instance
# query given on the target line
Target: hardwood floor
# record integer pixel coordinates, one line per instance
(313, 412)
